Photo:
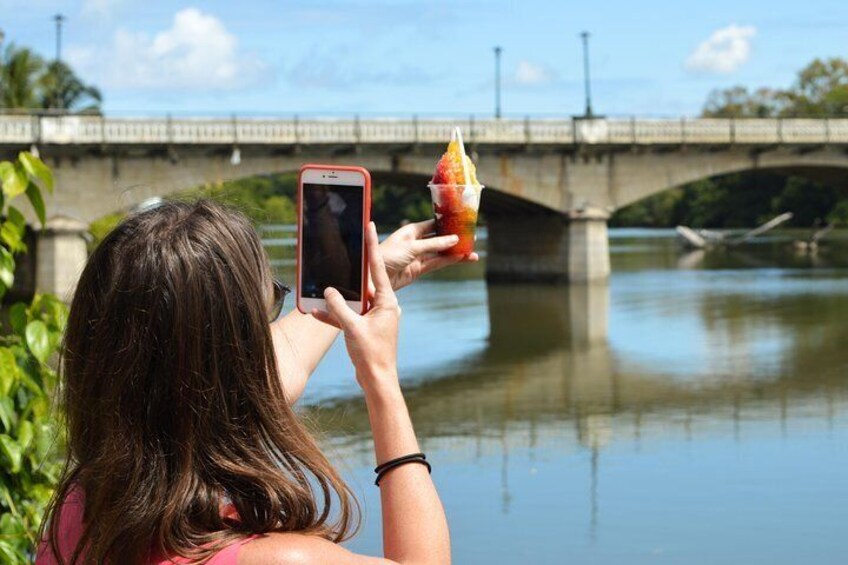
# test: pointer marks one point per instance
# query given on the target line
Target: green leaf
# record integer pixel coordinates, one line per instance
(13, 178)
(25, 434)
(37, 340)
(54, 311)
(18, 318)
(32, 381)
(11, 451)
(9, 370)
(12, 236)
(45, 440)
(8, 553)
(8, 417)
(14, 215)
(10, 524)
(37, 201)
(7, 268)
(37, 170)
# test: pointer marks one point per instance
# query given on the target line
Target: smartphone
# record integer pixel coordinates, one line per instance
(334, 208)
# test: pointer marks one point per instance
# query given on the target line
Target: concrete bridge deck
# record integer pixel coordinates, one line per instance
(552, 183)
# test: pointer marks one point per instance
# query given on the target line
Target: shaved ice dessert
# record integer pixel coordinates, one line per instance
(456, 196)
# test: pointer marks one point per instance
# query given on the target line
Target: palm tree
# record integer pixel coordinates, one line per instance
(61, 89)
(19, 75)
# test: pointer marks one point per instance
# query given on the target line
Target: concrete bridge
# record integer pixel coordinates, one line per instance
(552, 184)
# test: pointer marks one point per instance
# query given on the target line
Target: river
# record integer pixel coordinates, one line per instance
(693, 410)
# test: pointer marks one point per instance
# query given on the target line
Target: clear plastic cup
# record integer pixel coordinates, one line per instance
(455, 207)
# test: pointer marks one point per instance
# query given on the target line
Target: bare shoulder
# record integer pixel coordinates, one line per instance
(300, 549)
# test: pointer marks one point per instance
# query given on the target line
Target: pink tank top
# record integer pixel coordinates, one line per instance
(71, 527)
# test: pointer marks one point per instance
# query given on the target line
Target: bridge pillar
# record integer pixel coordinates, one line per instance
(548, 247)
(60, 256)
(588, 246)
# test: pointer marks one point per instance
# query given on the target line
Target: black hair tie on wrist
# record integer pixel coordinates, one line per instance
(384, 468)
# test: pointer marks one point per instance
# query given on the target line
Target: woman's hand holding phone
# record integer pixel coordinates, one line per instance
(371, 339)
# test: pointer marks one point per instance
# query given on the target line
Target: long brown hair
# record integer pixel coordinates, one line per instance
(172, 397)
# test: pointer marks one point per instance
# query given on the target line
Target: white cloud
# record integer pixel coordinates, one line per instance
(529, 74)
(724, 51)
(196, 53)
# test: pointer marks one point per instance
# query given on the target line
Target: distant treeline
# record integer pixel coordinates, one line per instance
(739, 200)
(736, 201)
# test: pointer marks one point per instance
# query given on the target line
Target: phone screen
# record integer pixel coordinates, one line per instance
(332, 240)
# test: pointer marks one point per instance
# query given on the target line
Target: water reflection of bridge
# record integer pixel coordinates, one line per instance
(549, 375)
(550, 381)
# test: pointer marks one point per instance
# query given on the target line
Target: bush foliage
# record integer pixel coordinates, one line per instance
(30, 337)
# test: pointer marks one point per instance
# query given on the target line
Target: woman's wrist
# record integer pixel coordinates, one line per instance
(381, 389)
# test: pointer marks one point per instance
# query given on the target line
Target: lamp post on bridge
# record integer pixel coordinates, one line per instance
(585, 37)
(2, 37)
(498, 51)
(59, 19)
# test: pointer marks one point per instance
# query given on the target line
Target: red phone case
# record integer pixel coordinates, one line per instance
(366, 217)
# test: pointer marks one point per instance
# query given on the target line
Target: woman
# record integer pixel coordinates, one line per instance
(183, 446)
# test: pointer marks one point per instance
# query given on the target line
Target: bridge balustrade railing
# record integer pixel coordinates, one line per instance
(837, 130)
(387, 131)
(803, 131)
(757, 131)
(707, 131)
(13, 129)
(499, 131)
(551, 131)
(128, 130)
(261, 131)
(73, 129)
(435, 131)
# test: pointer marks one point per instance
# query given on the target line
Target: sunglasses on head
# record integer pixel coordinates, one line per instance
(280, 293)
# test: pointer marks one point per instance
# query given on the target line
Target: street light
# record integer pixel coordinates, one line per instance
(59, 18)
(2, 37)
(498, 51)
(585, 37)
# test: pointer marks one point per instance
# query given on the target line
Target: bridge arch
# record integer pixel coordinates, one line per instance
(634, 178)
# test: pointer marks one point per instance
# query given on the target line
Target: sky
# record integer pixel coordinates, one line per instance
(426, 57)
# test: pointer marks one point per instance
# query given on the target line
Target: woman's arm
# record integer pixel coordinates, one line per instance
(415, 529)
(301, 341)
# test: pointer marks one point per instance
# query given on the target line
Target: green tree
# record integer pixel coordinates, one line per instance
(20, 69)
(820, 90)
(809, 201)
(29, 463)
(839, 213)
(26, 82)
(739, 102)
(280, 209)
(60, 88)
